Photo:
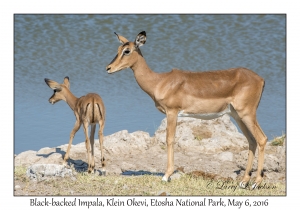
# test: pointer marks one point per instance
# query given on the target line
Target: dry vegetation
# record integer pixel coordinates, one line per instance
(278, 141)
(146, 185)
(196, 183)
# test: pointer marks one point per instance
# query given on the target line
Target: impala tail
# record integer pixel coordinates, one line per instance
(93, 112)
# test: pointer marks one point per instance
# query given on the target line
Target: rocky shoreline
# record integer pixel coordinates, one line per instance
(212, 147)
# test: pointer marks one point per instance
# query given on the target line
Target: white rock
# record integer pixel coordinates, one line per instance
(225, 156)
(217, 135)
(27, 158)
(39, 171)
(124, 142)
(17, 187)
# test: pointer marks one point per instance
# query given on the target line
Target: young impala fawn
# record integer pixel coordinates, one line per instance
(204, 95)
(88, 110)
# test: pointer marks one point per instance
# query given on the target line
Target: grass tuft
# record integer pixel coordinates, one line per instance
(278, 141)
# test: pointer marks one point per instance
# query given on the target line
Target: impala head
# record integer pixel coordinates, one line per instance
(127, 53)
(59, 89)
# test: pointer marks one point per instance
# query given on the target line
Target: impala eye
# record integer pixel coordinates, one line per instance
(57, 90)
(126, 52)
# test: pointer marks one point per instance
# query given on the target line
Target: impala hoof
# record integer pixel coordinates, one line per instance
(253, 187)
(91, 171)
(243, 185)
(165, 179)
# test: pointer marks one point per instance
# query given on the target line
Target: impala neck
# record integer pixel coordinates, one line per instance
(71, 99)
(145, 77)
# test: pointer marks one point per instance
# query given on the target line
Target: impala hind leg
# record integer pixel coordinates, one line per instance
(171, 129)
(261, 140)
(73, 132)
(92, 135)
(101, 138)
(88, 147)
(252, 148)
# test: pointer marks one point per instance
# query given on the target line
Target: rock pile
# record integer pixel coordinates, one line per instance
(210, 146)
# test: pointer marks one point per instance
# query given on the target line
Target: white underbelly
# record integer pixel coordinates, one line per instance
(205, 116)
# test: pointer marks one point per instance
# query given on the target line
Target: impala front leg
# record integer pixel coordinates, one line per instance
(171, 129)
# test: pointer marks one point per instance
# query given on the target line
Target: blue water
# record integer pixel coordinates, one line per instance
(81, 46)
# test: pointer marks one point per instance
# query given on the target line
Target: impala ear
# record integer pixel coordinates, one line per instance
(140, 39)
(121, 39)
(53, 85)
(66, 82)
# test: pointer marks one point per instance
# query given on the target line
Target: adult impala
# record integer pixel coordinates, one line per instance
(88, 110)
(204, 95)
